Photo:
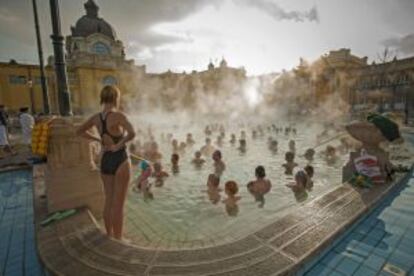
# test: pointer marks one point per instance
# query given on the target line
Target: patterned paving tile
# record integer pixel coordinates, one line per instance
(18, 254)
(383, 237)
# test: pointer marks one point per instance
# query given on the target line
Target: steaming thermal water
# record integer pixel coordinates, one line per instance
(181, 214)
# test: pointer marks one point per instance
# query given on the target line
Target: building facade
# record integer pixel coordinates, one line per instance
(95, 57)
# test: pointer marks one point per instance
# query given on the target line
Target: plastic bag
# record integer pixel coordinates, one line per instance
(368, 165)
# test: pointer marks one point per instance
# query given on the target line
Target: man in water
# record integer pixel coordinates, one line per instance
(198, 161)
(242, 145)
(290, 163)
(259, 187)
(175, 158)
(219, 165)
(207, 149)
(190, 140)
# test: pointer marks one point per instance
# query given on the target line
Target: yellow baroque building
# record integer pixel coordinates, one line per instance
(94, 58)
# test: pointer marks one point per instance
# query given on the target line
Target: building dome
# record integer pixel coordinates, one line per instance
(91, 23)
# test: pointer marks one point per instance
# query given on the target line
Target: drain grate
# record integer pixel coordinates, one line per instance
(394, 270)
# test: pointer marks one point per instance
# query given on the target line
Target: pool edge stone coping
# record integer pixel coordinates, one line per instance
(77, 244)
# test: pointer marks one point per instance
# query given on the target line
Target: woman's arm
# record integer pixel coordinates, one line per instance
(127, 126)
(83, 130)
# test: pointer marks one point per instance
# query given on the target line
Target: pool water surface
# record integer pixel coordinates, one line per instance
(181, 214)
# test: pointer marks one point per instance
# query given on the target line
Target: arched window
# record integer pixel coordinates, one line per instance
(109, 80)
(100, 48)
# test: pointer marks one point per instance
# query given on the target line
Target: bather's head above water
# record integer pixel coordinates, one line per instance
(216, 155)
(260, 172)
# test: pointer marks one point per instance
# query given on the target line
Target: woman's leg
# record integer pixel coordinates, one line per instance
(108, 181)
(122, 178)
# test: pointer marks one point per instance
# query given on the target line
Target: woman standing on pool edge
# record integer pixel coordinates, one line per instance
(115, 131)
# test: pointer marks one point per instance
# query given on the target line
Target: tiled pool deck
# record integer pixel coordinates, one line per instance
(18, 254)
(382, 243)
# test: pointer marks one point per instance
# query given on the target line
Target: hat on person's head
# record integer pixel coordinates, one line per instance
(387, 127)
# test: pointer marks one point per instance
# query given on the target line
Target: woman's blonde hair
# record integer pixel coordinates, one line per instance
(110, 94)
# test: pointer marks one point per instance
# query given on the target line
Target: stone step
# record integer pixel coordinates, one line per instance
(215, 266)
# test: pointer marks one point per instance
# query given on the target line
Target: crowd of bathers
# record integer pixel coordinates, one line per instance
(147, 159)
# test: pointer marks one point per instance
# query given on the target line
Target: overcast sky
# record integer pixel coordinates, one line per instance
(261, 35)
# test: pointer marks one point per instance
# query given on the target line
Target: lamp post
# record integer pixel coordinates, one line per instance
(60, 66)
(406, 111)
(45, 93)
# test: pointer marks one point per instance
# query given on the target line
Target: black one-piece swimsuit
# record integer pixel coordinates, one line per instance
(111, 160)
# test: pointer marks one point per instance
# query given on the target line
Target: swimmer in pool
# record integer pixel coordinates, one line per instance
(310, 173)
(242, 145)
(330, 155)
(190, 140)
(213, 190)
(142, 185)
(219, 165)
(152, 153)
(232, 139)
(207, 149)
(259, 187)
(182, 147)
(309, 154)
(273, 147)
(290, 163)
(159, 174)
(174, 144)
(198, 161)
(231, 189)
(175, 158)
(207, 131)
(292, 146)
(302, 183)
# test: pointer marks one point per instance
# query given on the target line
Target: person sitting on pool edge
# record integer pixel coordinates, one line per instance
(231, 189)
(198, 161)
(175, 158)
(159, 174)
(290, 163)
(259, 187)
